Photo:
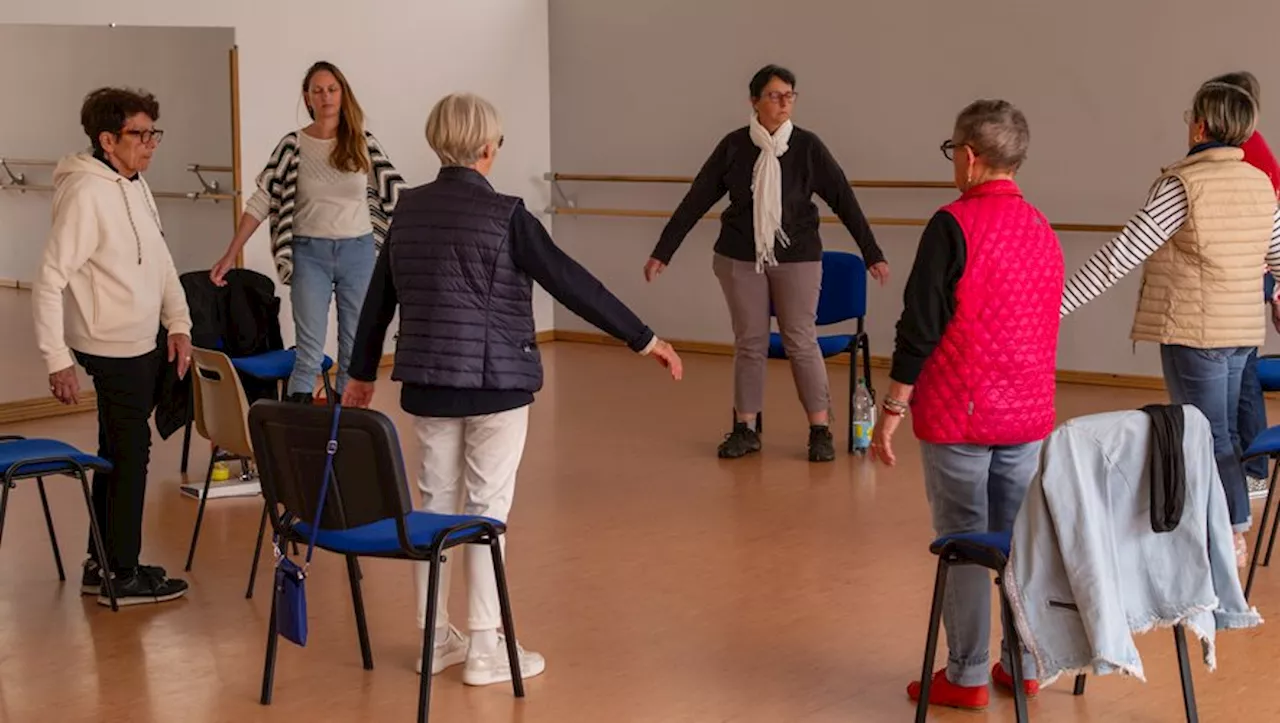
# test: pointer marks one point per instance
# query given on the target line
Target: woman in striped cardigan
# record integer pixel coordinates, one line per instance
(327, 191)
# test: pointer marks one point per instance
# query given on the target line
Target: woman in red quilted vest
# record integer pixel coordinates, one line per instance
(974, 367)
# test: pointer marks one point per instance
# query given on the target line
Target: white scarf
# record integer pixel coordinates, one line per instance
(766, 190)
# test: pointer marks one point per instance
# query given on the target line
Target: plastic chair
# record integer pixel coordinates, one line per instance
(843, 297)
(368, 513)
(1269, 365)
(991, 550)
(23, 458)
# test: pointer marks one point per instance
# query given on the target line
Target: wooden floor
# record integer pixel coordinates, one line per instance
(661, 583)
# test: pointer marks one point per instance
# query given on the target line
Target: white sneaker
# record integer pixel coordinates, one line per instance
(1257, 487)
(449, 652)
(495, 667)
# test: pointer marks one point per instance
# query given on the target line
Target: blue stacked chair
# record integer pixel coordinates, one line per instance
(23, 459)
(843, 297)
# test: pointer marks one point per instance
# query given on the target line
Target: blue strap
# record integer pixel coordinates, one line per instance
(330, 449)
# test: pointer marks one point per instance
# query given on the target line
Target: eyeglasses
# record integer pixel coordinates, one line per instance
(501, 139)
(949, 147)
(779, 96)
(155, 134)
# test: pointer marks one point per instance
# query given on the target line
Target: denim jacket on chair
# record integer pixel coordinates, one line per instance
(1087, 572)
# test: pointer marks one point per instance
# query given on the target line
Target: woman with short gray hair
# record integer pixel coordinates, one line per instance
(974, 365)
(1209, 224)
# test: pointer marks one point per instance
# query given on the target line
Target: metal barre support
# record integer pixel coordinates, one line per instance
(14, 179)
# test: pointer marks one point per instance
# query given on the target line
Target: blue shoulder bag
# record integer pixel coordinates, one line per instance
(290, 588)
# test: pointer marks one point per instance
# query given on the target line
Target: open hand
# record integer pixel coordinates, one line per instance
(64, 385)
(882, 439)
(667, 357)
(358, 394)
(180, 351)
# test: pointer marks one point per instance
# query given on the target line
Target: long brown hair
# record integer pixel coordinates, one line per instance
(350, 153)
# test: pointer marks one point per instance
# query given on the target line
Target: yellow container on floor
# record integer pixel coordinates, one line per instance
(221, 472)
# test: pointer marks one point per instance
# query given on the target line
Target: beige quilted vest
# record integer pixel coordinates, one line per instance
(1203, 288)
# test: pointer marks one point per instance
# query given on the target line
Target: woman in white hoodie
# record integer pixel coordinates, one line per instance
(106, 286)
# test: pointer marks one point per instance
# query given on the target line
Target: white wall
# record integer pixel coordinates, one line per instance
(651, 87)
(186, 68)
(400, 56)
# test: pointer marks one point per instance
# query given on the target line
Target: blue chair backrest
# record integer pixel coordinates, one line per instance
(1268, 286)
(844, 288)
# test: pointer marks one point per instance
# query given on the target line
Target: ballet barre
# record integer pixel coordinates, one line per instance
(874, 221)
(210, 190)
(15, 284)
(629, 178)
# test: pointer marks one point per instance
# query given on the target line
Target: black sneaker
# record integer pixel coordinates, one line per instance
(822, 447)
(743, 440)
(91, 580)
(143, 585)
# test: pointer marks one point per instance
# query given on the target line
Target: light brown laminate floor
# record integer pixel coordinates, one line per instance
(661, 583)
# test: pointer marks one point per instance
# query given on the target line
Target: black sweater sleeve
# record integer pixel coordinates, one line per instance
(375, 316)
(930, 298)
(708, 187)
(833, 187)
(571, 284)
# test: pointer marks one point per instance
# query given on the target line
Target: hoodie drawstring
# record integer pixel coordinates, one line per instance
(128, 208)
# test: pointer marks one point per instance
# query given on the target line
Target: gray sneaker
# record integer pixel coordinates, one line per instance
(1257, 488)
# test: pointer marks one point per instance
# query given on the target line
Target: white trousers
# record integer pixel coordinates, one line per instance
(469, 467)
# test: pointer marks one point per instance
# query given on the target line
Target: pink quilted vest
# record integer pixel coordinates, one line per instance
(990, 381)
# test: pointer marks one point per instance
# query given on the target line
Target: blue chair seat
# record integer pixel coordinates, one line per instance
(988, 549)
(829, 345)
(381, 538)
(17, 451)
(1269, 374)
(1265, 444)
(273, 364)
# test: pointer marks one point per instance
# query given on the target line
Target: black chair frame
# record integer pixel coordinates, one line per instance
(1267, 512)
(67, 467)
(956, 553)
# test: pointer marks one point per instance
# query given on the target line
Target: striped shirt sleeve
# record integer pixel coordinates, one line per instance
(1273, 253)
(1147, 231)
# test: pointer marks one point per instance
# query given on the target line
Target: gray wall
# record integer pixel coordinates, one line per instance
(650, 87)
(188, 71)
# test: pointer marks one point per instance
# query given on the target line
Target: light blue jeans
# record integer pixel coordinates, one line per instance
(974, 488)
(323, 269)
(1210, 380)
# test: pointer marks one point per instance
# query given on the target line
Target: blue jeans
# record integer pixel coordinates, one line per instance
(323, 268)
(1252, 414)
(974, 488)
(1210, 380)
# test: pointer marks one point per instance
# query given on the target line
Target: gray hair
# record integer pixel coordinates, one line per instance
(1229, 112)
(460, 126)
(996, 131)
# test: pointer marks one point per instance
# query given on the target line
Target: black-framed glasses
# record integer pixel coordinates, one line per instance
(147, 136)
(949, 147)
(501, 140)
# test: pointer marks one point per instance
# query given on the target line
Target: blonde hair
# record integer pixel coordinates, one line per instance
(460, 126)
(1229, 112)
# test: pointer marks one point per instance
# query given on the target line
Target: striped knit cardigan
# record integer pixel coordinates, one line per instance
(280, 180)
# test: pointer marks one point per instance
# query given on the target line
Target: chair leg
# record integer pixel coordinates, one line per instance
(328, 388)
(429, 639)
(866, 365)
(257, 553)
(362, 624)
(931, 641)
(5, 486)
(1257, 545)
(853, 386)
(1184, 669)
(53, 535)
(269, 664)
(108, 583)
(508, 620)
(1015, 658)
(1271, 544)
(186, 447)
(1079, 689)
(204, 497)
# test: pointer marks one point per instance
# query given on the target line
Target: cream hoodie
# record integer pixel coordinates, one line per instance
(107, 258)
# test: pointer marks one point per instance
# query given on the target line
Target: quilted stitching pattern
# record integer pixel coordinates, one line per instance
(991, 378)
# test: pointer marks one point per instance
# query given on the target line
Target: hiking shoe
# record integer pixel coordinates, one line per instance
(743, 440)
(91, 580)
(142, 586)
(822, 448)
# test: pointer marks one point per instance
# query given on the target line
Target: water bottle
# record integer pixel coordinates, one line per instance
(863, 414)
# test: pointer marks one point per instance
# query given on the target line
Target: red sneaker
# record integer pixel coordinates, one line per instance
(945, 693)
(1005, 681)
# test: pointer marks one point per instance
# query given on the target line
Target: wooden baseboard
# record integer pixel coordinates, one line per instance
(1064, 376)
(26, 410)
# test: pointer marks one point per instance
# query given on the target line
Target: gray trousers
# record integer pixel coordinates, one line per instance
(794, 289)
